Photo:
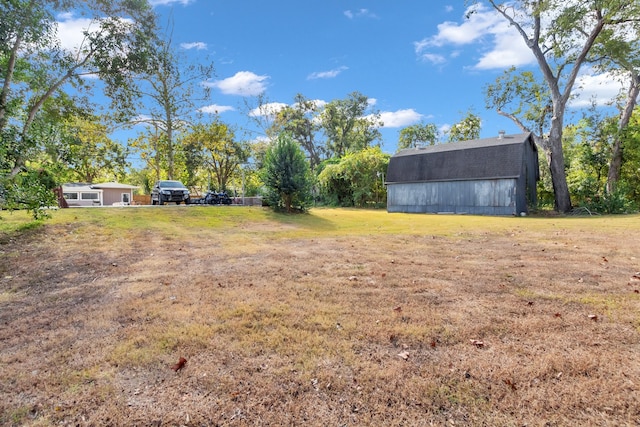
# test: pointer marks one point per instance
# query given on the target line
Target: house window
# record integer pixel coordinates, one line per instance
(70, 196)
(90, 196)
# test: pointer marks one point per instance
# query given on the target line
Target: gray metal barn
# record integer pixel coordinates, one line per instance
(493, 176)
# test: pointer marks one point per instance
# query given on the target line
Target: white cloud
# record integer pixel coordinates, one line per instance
(433, 58)
(598, 88)
(268, 110)
(216, 109)
(508, 50)
(169, 2)
(360, 13)
(326, 74)
(243, 83)
(400, 118)
(70, 31)
(506, 47)
(194, 45)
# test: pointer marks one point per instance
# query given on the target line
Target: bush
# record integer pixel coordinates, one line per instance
(286, 175)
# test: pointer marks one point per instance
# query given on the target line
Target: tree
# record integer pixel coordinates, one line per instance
(357, 179)
(466, 129)
(560, 35)
(38, 76)
(417, 135)
(36, 69)
(346, 127)
(215, 145)
(172, 86)
(87, 152)
(618, 55)
(615, 164)
(286, 174)
(300, 122)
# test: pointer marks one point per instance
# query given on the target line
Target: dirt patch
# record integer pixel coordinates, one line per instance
(481, 328)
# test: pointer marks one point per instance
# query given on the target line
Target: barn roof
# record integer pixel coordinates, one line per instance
(489, 158)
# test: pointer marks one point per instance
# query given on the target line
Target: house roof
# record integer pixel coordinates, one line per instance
(488, 158)
(79, 186)
(114, 185)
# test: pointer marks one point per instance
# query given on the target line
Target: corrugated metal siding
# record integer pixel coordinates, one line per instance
(480, 197)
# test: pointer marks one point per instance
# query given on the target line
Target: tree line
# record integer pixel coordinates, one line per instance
(311, 151)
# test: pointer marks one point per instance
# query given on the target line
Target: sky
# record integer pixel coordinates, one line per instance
(417, 61)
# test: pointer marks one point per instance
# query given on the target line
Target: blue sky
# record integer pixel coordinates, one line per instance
(417, 60)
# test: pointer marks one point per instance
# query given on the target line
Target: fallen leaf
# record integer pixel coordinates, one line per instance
(510, 384)
(404, 355)
(179, 365)
(477, 343)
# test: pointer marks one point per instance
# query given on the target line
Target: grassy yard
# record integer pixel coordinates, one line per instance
(336, 317)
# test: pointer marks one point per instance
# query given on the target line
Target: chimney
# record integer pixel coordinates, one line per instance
(501, 134)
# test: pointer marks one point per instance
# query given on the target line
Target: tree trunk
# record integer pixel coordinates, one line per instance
(617, 150)
(556, 165)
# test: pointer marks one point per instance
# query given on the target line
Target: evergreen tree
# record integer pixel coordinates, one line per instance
(286, 175)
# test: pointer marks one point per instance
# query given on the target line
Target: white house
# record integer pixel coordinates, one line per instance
(105, 194)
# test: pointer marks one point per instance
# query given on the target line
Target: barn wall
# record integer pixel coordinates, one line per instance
(480, 197)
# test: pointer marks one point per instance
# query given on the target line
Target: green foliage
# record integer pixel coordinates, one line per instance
(300, 122)
(466, 129)
(616, 202)
(215, 151)
(44, 84)
(86, 153)
(286, 175)
(357, 179)
(417, 135)
(30, 190)
(587, 147)
(346, 127)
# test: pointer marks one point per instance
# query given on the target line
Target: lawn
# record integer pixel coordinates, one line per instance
(335, 317)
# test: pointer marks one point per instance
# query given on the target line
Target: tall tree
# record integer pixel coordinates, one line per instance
(560, 34)
(41, 80)
(346, 126)
(618, 54)
(300, 122)
(36, 69)
(172, 87)
(417, 135)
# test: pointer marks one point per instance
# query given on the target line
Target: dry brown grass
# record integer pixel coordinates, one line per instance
(339, 317)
